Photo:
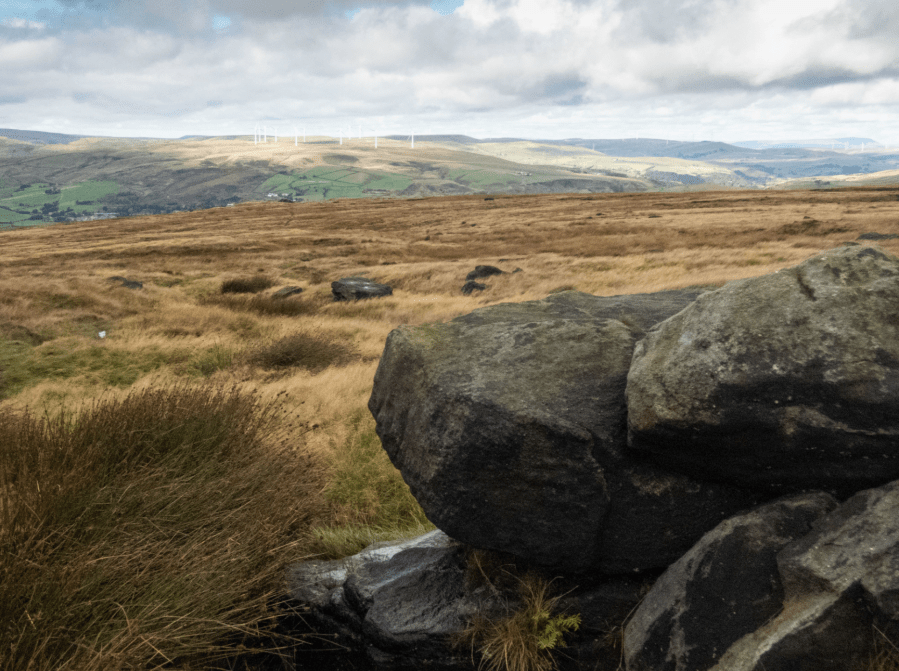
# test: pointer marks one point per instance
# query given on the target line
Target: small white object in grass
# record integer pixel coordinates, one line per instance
(102, 334)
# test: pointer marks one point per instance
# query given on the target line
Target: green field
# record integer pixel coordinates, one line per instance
(484, 178)
(326, 182)
(39, 203)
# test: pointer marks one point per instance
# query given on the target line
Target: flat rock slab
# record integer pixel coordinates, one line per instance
(508, 424)
(788, 381)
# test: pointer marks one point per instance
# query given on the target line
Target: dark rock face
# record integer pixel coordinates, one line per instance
(399, 602)
(471, 286)
(838, 581)
(526, 455)
(482, 271)
(286, 292)
(357, 288)
(788, 381)
(857, 543)
(725, 587)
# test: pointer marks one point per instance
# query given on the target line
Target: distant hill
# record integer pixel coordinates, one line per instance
(38, 137)
(60, 177)
(827, 143)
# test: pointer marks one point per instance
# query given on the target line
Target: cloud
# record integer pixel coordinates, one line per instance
(561, 63)
(16, 22)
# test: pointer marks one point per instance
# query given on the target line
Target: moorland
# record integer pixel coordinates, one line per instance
(166, 450)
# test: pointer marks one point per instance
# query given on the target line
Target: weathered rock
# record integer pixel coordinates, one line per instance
(857, 543)
(357, 288)
(125, 282)
(788, 381)
(471, 286)
(286, 292)
(877, 236)
(839, 581)
(482, 271)
(399, 603)
(725, 587)
(508, 424)
(820, 632)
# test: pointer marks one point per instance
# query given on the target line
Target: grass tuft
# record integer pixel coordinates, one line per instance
(522, 639)
(248, 285)
(309, 350)
(130, 533)
(263, 305)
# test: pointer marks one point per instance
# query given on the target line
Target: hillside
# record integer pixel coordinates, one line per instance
(47, 177)
(59, 181)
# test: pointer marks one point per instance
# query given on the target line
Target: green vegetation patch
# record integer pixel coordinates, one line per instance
(82, 197)
(326, 182)
(34, 204)
(371, 500)
(24, 365)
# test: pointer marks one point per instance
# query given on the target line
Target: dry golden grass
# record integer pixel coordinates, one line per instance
(55, 298)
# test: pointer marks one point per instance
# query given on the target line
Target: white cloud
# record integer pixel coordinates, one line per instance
(16, 22)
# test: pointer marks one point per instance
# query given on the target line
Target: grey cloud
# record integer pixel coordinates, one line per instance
(563, 89)
(819, 76)
(665, 21)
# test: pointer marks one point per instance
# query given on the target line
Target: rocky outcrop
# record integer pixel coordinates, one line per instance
(788, 381)
(358, 288)
(706, 437)
(526, 455)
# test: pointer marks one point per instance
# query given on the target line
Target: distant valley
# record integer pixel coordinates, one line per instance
(52, 177)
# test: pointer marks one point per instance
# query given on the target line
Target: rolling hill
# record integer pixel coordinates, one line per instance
(48, 177)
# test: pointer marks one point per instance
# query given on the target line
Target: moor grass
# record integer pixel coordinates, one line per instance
(154, 481)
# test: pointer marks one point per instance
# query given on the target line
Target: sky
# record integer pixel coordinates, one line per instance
(724, 70)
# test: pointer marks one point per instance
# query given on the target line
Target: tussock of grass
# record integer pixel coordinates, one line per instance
(525, 636)
(141, 532)
(309, 350)
(249, 285)
(265, 305)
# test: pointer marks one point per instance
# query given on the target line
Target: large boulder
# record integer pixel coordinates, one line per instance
(357, 288)
(788, 381)
(508, 424)
(725, 587)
